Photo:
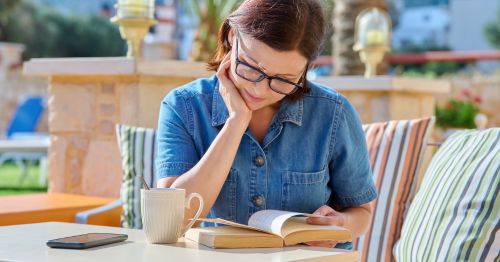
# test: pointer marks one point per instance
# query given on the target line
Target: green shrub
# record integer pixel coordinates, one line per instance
(427, 70)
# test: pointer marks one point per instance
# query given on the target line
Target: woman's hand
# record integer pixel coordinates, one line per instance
(235, 104)
(326, 215)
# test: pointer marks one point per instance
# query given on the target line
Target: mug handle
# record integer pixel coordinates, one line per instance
(198, 213)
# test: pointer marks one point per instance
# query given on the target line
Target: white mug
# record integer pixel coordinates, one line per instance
(163, 213)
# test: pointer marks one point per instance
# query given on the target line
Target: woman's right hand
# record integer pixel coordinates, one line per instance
(235, 104)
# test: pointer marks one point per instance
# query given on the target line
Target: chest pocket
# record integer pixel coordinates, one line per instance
(225, 205)
(304, 192)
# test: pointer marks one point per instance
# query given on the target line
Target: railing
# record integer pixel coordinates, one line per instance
(422, 58)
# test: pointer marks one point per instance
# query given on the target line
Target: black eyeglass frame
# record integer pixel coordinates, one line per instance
(265, 76)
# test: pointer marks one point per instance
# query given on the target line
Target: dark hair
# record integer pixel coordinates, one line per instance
(284, 25)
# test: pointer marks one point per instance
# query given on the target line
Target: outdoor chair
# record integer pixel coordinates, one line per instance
(22, 128)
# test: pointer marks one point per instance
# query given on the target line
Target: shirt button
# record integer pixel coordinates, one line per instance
(258, 200)
(259, 161)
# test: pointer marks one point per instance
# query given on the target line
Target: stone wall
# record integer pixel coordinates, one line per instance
(87, 97)
(384, 98)
(83, 113)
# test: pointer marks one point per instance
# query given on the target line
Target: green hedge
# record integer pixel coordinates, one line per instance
(47, 33)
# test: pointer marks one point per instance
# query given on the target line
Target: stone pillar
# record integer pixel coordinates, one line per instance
(10, 55)
(87, 98)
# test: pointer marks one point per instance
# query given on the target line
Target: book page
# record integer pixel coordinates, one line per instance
(271, 220)
(296, 224)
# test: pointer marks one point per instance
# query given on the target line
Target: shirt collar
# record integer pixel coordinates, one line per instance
(290, 111)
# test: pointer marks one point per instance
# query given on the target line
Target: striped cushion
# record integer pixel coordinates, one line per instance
(395, 149)
(455, 215)
(137, 149)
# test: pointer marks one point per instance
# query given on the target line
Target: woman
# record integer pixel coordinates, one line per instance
(257, 135)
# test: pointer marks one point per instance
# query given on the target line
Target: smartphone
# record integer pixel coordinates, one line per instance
(86, 240)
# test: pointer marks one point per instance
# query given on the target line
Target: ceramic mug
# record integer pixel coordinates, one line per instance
(163, 213)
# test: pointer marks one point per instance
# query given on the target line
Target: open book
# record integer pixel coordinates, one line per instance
(266, 228)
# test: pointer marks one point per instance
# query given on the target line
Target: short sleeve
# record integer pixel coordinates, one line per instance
(351, 178)
(176, 151)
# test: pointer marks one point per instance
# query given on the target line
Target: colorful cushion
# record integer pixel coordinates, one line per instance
(455, 215)
(137, 149)
(395, 149)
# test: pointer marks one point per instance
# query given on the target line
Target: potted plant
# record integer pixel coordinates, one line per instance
(459, 113)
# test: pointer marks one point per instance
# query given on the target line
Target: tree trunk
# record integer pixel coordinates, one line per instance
(345, 60)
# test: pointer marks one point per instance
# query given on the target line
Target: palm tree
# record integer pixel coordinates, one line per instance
(211, 15)
(346, 60)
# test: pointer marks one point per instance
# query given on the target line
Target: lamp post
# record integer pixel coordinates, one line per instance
(372, 35)
(134, 18)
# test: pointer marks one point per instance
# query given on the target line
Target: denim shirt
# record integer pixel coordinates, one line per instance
(314, 152)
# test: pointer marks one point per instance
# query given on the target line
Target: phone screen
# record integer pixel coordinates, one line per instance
(86, 238)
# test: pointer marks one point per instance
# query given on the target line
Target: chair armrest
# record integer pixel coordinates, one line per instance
(82, 217)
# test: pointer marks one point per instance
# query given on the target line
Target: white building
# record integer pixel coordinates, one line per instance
(420, 26)
(456, 24)
(468, 20)
(459, 25)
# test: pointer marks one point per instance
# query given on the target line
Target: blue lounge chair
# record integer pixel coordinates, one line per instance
(23, 127)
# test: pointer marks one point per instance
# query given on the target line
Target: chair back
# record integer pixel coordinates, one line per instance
(396, 151)
(137, 147)
(26, 116)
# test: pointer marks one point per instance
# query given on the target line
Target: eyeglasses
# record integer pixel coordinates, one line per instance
(277, 84)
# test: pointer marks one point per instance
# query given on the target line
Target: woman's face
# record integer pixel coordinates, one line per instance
(287, 65)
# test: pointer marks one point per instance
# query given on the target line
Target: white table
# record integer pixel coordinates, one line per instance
(27, 243)
(31, 148)
(24, 146)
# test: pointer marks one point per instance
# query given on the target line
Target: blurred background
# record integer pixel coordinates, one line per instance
(453, 40)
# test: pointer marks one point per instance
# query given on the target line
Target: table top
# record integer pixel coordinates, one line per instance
(28, 243)
(44, 207)
(48, 201)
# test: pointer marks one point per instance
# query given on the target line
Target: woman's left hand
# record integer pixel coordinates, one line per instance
(326, 215)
